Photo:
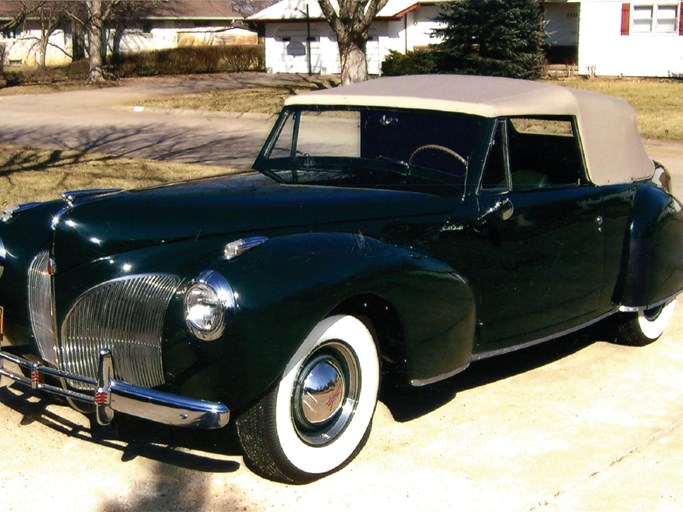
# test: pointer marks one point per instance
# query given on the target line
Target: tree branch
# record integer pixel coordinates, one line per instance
(331, 16)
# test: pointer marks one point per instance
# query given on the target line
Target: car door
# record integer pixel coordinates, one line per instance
(540, 235)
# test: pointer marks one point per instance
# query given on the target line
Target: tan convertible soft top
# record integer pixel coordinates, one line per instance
(613, 149)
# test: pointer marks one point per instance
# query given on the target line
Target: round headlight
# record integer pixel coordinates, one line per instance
(209, 303)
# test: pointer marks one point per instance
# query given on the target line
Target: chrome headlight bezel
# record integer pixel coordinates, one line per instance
(208, 305)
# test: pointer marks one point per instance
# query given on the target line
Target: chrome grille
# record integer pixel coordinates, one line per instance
(125, 315)
(40, 307)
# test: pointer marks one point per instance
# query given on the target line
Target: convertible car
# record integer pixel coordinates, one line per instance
(400, 227)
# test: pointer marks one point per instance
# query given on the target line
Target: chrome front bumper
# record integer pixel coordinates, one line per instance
(111, 395)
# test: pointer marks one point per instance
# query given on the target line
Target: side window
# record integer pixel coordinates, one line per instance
(543, 152)
(495, 171)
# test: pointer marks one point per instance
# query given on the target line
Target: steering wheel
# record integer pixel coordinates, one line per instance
(437, 147)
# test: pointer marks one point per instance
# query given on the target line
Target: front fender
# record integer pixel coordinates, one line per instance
(652, 266)
(286, 286)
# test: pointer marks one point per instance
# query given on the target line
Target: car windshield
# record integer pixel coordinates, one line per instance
(370, 147)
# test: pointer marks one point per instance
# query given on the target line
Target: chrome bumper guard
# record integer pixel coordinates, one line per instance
(112, 395)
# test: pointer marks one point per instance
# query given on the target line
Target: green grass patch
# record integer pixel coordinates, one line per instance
(28, 174)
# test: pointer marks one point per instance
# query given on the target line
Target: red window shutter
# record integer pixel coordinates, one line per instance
(625, 18)
(680, 20)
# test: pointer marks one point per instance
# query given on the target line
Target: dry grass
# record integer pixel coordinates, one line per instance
(262, 100)
(658, 103)
(49, 88)
(28, 174)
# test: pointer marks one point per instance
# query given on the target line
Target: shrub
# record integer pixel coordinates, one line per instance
(411, 63)
(491, 37)
(188, 60)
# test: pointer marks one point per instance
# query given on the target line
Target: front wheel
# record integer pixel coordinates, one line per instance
(318, 417)
(645, 326)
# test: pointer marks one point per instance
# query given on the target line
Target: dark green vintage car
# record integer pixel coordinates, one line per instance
(402, 226)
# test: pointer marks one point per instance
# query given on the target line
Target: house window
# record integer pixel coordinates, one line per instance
(9, 33)
(655, 18)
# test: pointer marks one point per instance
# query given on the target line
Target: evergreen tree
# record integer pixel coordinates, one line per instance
(491, 37)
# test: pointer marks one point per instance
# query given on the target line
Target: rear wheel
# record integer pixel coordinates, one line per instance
(318, 417)
(645, 326)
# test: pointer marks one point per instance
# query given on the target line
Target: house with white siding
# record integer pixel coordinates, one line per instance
(638, 38)
(172, 24)
(292, 26)
(601, 37)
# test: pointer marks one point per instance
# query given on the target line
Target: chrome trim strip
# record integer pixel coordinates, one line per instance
(118, 396)
(3, 257)
(11, 211)
(41, 303)
(443, 376)
(493, 353)
(636, 309)
(71, 196)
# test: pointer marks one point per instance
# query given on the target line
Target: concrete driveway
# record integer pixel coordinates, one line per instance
(105, 120)
(575, 424)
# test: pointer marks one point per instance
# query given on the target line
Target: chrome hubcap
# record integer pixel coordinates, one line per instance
(322, 391)
(326, 393)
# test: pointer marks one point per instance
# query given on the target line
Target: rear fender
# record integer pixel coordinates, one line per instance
(652, 265)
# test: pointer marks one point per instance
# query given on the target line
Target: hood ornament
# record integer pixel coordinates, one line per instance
(239, 247)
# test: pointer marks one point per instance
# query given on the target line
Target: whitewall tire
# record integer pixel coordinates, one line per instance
(645, 326)
(318, 417)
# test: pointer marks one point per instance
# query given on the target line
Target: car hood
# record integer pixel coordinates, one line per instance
(240, 206)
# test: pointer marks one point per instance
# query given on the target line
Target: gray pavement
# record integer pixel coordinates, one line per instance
(575, 424)
(106, 121)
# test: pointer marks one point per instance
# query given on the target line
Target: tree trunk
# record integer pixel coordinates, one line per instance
(42, 50)
(95, 28)
(3, 82)
(354, 63)
(78, 41)
(116, 45)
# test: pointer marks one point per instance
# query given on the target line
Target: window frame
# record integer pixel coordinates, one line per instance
(506, 126)
(655, 18)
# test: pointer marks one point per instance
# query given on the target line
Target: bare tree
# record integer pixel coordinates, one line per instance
(127, 13)
(99, 15)
(248, 7)
(24, 10)
(351, 25)
(47, 15)
(50, 17)
(3, 82)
